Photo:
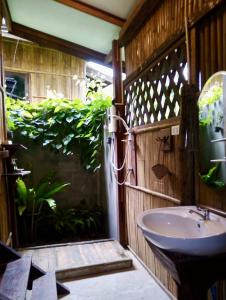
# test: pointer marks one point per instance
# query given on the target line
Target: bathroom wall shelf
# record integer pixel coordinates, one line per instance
(11, 173)
(218, 160)
(219, 140)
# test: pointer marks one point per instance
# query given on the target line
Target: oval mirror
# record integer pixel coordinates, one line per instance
(212, 131)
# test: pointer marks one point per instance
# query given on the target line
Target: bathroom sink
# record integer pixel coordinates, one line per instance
(180, 229)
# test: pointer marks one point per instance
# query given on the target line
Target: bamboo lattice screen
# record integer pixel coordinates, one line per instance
(154, 95)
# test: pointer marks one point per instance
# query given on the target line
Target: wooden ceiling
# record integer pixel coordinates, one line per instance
(91, 37)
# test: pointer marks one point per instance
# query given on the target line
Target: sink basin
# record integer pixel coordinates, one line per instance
(178, 230)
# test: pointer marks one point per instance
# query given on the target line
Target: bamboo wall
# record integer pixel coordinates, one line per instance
(137, 202)
(151, 192)
(166, 22)
(47, 69)
(208, 48)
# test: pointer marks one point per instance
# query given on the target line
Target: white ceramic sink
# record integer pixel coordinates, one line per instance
(177, 229)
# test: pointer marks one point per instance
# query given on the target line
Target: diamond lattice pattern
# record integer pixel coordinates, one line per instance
(155, 95)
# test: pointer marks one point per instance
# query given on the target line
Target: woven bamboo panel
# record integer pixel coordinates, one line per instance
(166, 22)
(137, 202)
(148, 154)
(47, 69)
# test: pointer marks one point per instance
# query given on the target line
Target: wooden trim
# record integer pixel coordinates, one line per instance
(65, 244)
(94, 11)
(6, 14)
(154, 193)
(50, 41)
(136, 20)
(157, 125)
(25, 71)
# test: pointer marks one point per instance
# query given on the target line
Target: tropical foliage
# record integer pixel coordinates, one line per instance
(66, 126)
(32, 199)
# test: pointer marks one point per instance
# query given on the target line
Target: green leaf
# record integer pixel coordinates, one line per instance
(59, 146)
(56, 188)
(57, 109)
(27, 114)
(69, 119)
(67, 139)
(51, 203)
(80, 123)
(47, 142)
(21, 190)
(21, 209)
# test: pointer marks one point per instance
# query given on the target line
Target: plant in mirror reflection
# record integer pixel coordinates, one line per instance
(205, 102)
(211, 179)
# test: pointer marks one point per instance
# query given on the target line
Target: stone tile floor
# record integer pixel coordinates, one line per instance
(134, 284)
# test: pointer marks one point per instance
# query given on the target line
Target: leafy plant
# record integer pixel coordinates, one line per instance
(31, 199)
(211, 179)
(62, 125)
(80, 220)
(64, 221)
(210, 97)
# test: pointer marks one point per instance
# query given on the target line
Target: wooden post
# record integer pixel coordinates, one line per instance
(4, 213)
(120, 110)
(193, 68)
(188, 143)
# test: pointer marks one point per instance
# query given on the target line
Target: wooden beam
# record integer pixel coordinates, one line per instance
(50, 41)
(136, 20)
(93, 11)
(6, 14)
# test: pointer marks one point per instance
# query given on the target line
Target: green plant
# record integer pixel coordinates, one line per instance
(31, 199)
(63, 125)
(63, 220)
(79, 221)
(210, 97)
(211, 178)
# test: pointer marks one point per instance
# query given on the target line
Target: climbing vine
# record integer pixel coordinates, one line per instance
(64, 126)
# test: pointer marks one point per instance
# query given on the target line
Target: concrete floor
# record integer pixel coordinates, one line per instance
(134, 284)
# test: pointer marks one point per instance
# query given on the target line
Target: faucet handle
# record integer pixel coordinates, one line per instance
(207, 214)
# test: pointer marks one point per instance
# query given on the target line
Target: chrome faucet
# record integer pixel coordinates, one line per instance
(203, 213)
